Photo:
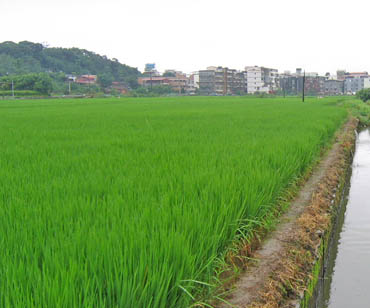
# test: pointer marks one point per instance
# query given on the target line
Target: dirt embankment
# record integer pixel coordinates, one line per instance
(287, 257)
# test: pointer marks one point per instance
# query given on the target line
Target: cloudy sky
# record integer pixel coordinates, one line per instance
(188, 35)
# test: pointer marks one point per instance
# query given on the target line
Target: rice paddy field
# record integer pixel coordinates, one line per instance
(131, 202)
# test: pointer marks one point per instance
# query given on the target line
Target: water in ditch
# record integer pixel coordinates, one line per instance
(345, 280)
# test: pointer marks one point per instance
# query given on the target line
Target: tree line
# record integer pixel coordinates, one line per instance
(38, 82)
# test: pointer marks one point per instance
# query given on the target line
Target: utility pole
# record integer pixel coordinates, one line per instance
(69, 87)
(304, 82)
(13, 88)
(225, 81)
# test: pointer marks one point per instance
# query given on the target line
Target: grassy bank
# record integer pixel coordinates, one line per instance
(128, 202)
(357, 108)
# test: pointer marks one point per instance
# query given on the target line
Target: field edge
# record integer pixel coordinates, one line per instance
(292, 271)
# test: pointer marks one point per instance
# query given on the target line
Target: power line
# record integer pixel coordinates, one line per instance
(304, 81)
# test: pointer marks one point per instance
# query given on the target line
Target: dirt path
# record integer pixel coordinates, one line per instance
(251, 282)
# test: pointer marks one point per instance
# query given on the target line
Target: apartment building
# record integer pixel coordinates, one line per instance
(333, 87)
(366, 82)
(221, 81)
(341, 75)
(261, 79)
(207, 84)
(314, 84)
(254, 80)
(290, 84)
(193, 83)
(271, 77)
(355, 82)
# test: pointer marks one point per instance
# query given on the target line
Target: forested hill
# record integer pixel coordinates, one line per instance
(27, 57)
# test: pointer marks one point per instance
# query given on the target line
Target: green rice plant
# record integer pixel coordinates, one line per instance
(130, 202)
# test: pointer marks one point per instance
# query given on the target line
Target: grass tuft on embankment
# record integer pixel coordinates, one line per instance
(358, 108)
(128, 202)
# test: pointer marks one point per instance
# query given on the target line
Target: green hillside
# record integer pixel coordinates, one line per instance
(27, 57)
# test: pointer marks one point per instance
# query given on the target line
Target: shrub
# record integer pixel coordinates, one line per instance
(364, 95)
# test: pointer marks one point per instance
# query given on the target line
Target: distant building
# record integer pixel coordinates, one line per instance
(353, 85)
(177, 84)
(218, 80)
(261, 79)
(311, 74)
(314, 84)
(71, 78)
(255, 83)
(221, 81)
(341, 75)
(120, 87)
(270, 78)
(333, 87)
(239, 86)
(290, 84)
(367, 83)
(207, 82)
(87, 79)
(355, 82)
(357, 75)
(193, 83)
(153, 81)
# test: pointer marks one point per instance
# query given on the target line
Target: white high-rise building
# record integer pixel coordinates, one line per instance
(261, 79)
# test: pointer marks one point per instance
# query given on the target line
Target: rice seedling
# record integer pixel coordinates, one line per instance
(129, 202)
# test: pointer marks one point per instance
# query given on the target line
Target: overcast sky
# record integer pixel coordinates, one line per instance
(188, 35)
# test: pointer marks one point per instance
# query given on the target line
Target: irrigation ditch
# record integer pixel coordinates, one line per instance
(290, 267)
(345, 275)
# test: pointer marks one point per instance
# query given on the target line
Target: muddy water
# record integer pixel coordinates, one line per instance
(345, 281)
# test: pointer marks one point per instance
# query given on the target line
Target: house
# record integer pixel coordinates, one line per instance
(177, 84)
(71, 78)
(87, 79)
(120, 87)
